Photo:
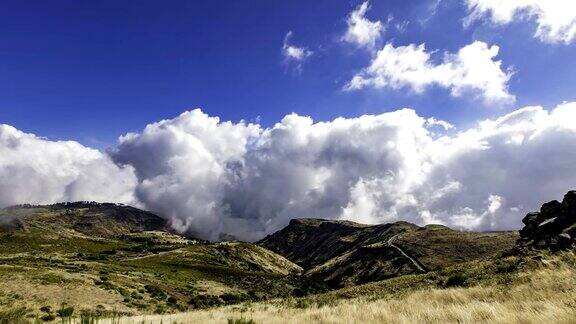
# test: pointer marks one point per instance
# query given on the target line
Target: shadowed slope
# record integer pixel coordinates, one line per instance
(343, 253)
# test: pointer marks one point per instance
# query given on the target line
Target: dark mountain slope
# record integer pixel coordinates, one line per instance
(311, 242)
(343, 253)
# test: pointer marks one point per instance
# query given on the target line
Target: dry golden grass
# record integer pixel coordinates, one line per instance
(33, 288)
(545, 294)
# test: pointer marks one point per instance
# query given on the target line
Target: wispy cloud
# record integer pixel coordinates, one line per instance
(293, 54)
(361, 31)
(429, 12)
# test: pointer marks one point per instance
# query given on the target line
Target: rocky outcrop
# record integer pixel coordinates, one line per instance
(553, 227)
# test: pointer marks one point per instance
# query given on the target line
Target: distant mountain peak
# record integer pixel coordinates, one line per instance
(320, 221)
(341, 252)
(85, 218)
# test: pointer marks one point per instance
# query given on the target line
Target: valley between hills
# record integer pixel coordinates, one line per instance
(91, 262)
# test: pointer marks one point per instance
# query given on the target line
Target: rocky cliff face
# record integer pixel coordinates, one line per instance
(553, 227)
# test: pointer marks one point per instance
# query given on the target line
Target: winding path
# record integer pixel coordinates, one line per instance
(414, 261)
(151, 254)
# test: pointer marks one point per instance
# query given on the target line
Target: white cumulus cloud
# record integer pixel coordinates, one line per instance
(555, 19)
(39, 171)
(210, 177)
(473, 70)
(213, 177)
(361, 31)
(182, 166)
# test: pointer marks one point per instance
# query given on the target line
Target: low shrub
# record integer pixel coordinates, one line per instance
(48, 317)
(230, 298)
(155, 292)
(205, 301)
(455, 280)
(52, 279)
(241, 320)
(65, 311)
(506, 265)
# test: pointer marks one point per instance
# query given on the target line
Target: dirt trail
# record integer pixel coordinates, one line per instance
(152, 254)
(414, 261)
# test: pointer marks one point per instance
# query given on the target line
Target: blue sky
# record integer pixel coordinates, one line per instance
(93, 70)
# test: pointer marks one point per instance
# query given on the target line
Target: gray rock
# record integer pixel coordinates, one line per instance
(548, 222)
(554, 227)
(531, 217)
(569, 200)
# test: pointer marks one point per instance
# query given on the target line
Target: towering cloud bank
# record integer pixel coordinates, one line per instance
(38, 171)
(212, 178)
(184, 166)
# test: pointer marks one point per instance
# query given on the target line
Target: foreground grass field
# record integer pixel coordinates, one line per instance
(543, 291)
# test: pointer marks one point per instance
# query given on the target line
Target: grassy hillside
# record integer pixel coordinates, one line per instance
(343, 253)
(534, 288)
(118, 264)
(106, 259)
(80, 218)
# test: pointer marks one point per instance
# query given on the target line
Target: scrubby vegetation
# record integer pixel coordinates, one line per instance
(535, 288)
(54, 265)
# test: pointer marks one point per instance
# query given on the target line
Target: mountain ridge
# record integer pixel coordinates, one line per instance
(88, 218)
(343, 253)
(128, 261)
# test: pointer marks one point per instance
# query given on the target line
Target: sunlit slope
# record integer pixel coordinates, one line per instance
(107, 258)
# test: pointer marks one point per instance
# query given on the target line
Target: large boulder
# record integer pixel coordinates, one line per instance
(550, 209)
(553, 227)
(531, 218)
(569, 201)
